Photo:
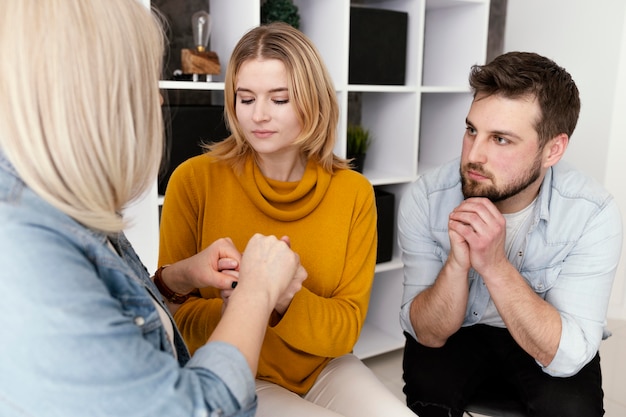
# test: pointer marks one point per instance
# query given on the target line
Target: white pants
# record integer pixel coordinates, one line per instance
(345, 388)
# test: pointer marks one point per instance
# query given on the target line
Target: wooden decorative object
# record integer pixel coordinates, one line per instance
(196, 62)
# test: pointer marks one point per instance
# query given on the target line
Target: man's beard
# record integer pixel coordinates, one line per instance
(472, 188)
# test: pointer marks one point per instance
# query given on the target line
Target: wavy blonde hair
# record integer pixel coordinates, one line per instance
(310, 88)
(80, 114)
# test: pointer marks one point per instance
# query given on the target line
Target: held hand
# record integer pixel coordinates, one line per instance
(211, 267)
(225, 294)
(269, 265)
(294, 286)
(459, 256)
(482, 227)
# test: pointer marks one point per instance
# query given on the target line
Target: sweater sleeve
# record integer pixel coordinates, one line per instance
(179, 217)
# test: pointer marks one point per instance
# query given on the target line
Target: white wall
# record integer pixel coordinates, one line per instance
(143, 228)
(616, 172)
(589, 40)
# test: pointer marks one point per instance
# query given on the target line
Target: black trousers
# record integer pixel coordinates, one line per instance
(441, 381)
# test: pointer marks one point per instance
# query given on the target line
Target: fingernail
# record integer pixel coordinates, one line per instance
(233, 285)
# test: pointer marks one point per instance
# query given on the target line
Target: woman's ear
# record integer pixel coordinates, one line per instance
(554, 149)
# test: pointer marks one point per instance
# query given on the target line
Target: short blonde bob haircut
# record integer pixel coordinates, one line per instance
(310, 88)
(80, 115)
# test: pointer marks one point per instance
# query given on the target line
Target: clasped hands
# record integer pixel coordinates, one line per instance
(267, 265)
(477, 232)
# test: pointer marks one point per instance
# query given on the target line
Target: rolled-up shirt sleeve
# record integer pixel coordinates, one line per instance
(424, 245)
(224, 371)
(581, 293)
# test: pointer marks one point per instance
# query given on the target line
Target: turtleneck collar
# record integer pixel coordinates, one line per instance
(285, 201)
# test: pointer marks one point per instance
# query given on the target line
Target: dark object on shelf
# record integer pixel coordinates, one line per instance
(385, 205)
(179, 76)
(187, 127)
(377, 46)
(280, 11)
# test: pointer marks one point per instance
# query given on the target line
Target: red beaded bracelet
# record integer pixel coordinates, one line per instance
(166, 292)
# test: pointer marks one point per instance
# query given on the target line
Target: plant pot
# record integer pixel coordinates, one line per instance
(358, 161)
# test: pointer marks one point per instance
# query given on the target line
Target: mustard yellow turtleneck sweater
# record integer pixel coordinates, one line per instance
(331, 221)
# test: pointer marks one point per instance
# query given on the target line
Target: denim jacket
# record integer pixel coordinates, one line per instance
(569, 256)
(80, 331)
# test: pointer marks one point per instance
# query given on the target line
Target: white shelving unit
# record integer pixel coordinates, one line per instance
(416, 125)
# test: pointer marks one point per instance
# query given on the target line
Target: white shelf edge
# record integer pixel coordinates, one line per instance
(393, 265)
(439, 4)
(390, 180)
(191, 85)
(374, 341)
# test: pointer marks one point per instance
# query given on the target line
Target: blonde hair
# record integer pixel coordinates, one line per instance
(80, 115)
(310, 88)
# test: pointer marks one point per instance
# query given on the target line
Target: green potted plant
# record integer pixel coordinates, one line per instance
(359, 140)
(280, 11)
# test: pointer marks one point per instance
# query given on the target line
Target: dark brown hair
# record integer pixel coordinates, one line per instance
(521, 74)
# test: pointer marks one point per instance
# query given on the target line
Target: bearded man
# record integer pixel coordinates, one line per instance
(509, 254)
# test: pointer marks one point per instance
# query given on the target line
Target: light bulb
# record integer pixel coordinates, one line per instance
(201, 26)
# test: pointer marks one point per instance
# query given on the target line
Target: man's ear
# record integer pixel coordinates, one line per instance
(554, 149)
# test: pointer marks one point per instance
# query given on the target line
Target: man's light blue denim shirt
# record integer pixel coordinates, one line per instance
(81, 335)
(569, 256)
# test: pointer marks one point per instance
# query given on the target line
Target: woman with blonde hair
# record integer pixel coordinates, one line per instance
(277, 174)
(85, 329)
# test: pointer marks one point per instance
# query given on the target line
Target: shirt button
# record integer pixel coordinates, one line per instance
(475, 313)
(140, 321)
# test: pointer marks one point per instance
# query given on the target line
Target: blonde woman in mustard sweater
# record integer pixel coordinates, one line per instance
(277, 174)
